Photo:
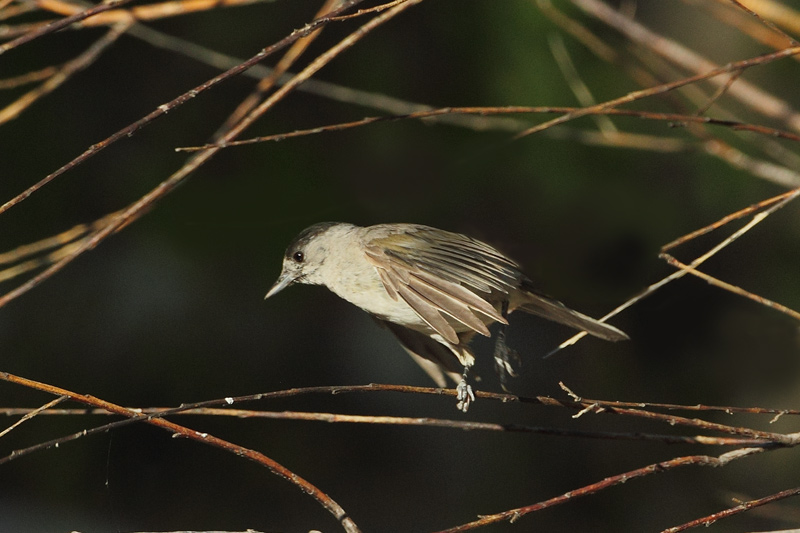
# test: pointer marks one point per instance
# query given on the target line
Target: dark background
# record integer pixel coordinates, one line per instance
(171, 309)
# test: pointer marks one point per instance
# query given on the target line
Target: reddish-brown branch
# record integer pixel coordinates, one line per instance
(672, 118)
(273, 466)
(656, 468)
(336, 418)
(746, 506)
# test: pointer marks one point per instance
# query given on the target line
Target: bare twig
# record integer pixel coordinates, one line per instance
(32, 413)
(273, 466)
(754, 97)
(61, 24)
(163, 109)
(692, 460)
(488, 111)
(746, 506)
(336, 418)
(14, 109)
(768, 23)
(292, 54)
(731, 288)
(153, 11)
(139, 207)
(30, 77)
(779, 201)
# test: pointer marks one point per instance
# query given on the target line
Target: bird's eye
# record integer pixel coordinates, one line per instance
(299, 257)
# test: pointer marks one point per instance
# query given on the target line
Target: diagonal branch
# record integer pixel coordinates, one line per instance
(513, 515)
(273, 466)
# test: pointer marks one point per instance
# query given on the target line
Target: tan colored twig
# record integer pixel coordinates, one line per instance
(61, 24)
(766, 22)
(273, 466)
(776, 12)
(783, 175)
(284, 64)
(23, 252)
(154, 11)
(46, 408)
(756, 441)
(581, 91)
(666, 87)
(704, 69)
(775, 204)
(30, 77)
(14, 109)
(728, 14)
(729, 287)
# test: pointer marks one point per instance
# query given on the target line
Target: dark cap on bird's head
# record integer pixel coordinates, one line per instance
(297, 265)
(307, 235)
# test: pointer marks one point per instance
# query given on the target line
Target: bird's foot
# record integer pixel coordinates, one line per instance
(504, 356)
(464, 395)
(505, 359)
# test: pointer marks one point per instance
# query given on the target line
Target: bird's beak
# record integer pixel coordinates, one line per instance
(284, 281)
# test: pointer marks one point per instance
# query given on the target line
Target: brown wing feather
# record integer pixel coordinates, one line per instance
(449, 304)
(438, 272)
(428, 312)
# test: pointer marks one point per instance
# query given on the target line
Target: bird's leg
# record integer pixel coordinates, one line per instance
(464, 393)
(503, 355)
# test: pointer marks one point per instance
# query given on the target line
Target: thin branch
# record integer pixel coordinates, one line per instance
(741, 508)
(693, 460)
(792, 41)
(671, 118)
(163, 109)
(155, 11)
(139, 207)
(579, 404)
(61, 24)
(25, 79)
(581, 91)
(663, 88)
(273, 466)
(46, 408)
(731, 288)
(337, 418)
(750, 95)
(91, 54)
(782, 200)
(770, 11)
(284, 64)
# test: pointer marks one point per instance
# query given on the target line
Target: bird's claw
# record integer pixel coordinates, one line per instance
(464, 395)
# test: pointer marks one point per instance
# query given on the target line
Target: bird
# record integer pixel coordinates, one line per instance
(433, 289)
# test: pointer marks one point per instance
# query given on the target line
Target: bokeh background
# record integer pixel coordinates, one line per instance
(170, 310)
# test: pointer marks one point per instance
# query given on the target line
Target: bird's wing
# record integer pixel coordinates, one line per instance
(439, 274)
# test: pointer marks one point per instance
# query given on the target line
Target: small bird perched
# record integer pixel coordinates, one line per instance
(432, 288)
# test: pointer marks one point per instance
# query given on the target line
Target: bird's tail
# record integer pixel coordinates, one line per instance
(538, 304)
